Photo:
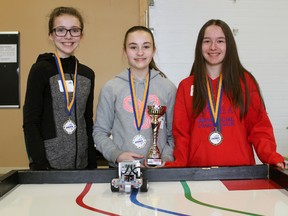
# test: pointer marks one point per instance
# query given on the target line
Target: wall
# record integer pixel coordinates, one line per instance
(259, 28)
(106, 22)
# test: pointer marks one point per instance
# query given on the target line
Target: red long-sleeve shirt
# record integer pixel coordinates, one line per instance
(192, 147)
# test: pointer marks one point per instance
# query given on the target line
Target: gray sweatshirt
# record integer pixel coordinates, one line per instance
(115, 127)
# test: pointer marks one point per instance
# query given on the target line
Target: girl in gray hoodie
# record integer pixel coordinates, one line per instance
(122, 130)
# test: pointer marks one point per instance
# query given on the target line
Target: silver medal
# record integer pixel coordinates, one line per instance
(139, 141)
(69, 126)
(215, 138)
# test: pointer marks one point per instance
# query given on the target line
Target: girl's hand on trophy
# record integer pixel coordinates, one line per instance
(129, 156)
(163, 164)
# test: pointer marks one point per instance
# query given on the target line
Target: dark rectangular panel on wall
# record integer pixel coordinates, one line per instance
(9, 70)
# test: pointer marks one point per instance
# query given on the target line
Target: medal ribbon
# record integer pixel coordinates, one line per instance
(69, 105)
(139, 114)
(215, 108)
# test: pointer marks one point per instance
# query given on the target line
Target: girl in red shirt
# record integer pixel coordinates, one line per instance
(219, 113)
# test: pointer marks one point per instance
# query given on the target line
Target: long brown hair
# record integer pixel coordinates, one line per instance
(232, 73)
(152, 64)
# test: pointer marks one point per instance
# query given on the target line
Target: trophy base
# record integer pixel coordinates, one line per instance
(154, 161)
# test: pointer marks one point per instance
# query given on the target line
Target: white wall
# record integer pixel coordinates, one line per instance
(261, 32)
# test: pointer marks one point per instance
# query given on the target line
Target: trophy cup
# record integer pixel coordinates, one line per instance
(154, 155)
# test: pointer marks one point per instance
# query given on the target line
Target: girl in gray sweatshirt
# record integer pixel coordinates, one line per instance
(122, 130)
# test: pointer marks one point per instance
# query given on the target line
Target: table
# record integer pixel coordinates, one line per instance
(215, 191)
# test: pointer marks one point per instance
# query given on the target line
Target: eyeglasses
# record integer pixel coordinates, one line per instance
(62, 32)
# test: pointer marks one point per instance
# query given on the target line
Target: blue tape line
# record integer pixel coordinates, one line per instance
(133, 198)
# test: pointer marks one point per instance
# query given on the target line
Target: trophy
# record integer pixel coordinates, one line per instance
(154, 155)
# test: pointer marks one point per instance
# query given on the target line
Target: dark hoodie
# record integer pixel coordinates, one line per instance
(44, 113)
